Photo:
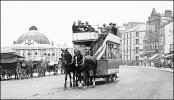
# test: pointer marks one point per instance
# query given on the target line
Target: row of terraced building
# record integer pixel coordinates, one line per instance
(140, 41)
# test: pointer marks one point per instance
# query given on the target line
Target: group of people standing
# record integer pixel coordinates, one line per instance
(81, 27)
(111, 28)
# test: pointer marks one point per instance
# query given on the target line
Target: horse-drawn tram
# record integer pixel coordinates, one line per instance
(103, 47)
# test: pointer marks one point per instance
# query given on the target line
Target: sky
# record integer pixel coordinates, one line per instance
(54, 18)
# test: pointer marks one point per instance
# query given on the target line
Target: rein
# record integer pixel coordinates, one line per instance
(80, 61)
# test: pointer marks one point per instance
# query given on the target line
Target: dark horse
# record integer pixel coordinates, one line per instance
(85, 65)
(68, 67)
(29, 68)
(42, 68)
(78, 59)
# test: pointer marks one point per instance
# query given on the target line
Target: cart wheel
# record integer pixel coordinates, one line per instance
(2, 77)
(112, 78)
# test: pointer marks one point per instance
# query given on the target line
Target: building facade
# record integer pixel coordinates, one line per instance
(132, 44)
(35, 46)
(166, 38)
(151, 40)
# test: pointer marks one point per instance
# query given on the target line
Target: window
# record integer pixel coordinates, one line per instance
(130, 35)
(137, 50)
(171, 47)
(137, 41)
(127, 42)
(113, 51)
(130, 41)
(137, 58)
(127, 35)
(137, 34)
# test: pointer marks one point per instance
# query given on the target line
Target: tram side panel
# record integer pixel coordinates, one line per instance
(106, 67)
(110, 62)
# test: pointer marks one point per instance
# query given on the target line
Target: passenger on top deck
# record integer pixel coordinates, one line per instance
(79, 24)
(74, 27)
(82, 27)
(109, 28)
(87, 27)
(114, 29)
(104, 29)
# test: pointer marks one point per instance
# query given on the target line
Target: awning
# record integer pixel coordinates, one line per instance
(153, 57)
(9, 57)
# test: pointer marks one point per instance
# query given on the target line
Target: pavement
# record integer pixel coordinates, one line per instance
(164, 69)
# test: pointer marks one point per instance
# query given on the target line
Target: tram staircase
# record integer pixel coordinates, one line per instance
(99, 46)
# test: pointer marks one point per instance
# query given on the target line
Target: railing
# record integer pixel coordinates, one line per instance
(84, 36)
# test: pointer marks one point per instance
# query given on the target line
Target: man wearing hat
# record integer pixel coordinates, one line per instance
(109, 28)
(114, 29)
(74, 27)
(104, 29)
(88, 27)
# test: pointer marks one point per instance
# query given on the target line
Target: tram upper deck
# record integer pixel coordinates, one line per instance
(90, 37)
(82, 37)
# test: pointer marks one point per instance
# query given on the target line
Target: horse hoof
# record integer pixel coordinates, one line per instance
(73, 87)
(84, 88)
(65, 88)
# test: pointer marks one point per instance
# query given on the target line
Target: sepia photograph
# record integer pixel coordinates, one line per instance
(86, 50)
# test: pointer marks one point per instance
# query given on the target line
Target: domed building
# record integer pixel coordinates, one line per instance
(35, 46)
(33, 37)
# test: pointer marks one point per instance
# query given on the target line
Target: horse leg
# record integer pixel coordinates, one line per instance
(73, 79)
(94, 72)
(30, 73)
(87, 80)
(70, 79)
(65, 87)
(90, 80)
(76, 75)
(80, 79)
(84, 80)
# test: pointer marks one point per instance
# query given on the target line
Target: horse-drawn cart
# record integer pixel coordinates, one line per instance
(11, 65)
(104, 48)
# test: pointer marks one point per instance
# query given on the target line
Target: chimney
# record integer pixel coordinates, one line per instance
(168, 13)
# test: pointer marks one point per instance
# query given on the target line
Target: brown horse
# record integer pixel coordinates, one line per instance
(29, 69)
(68, 67)
(78, 59)
(85, 65)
